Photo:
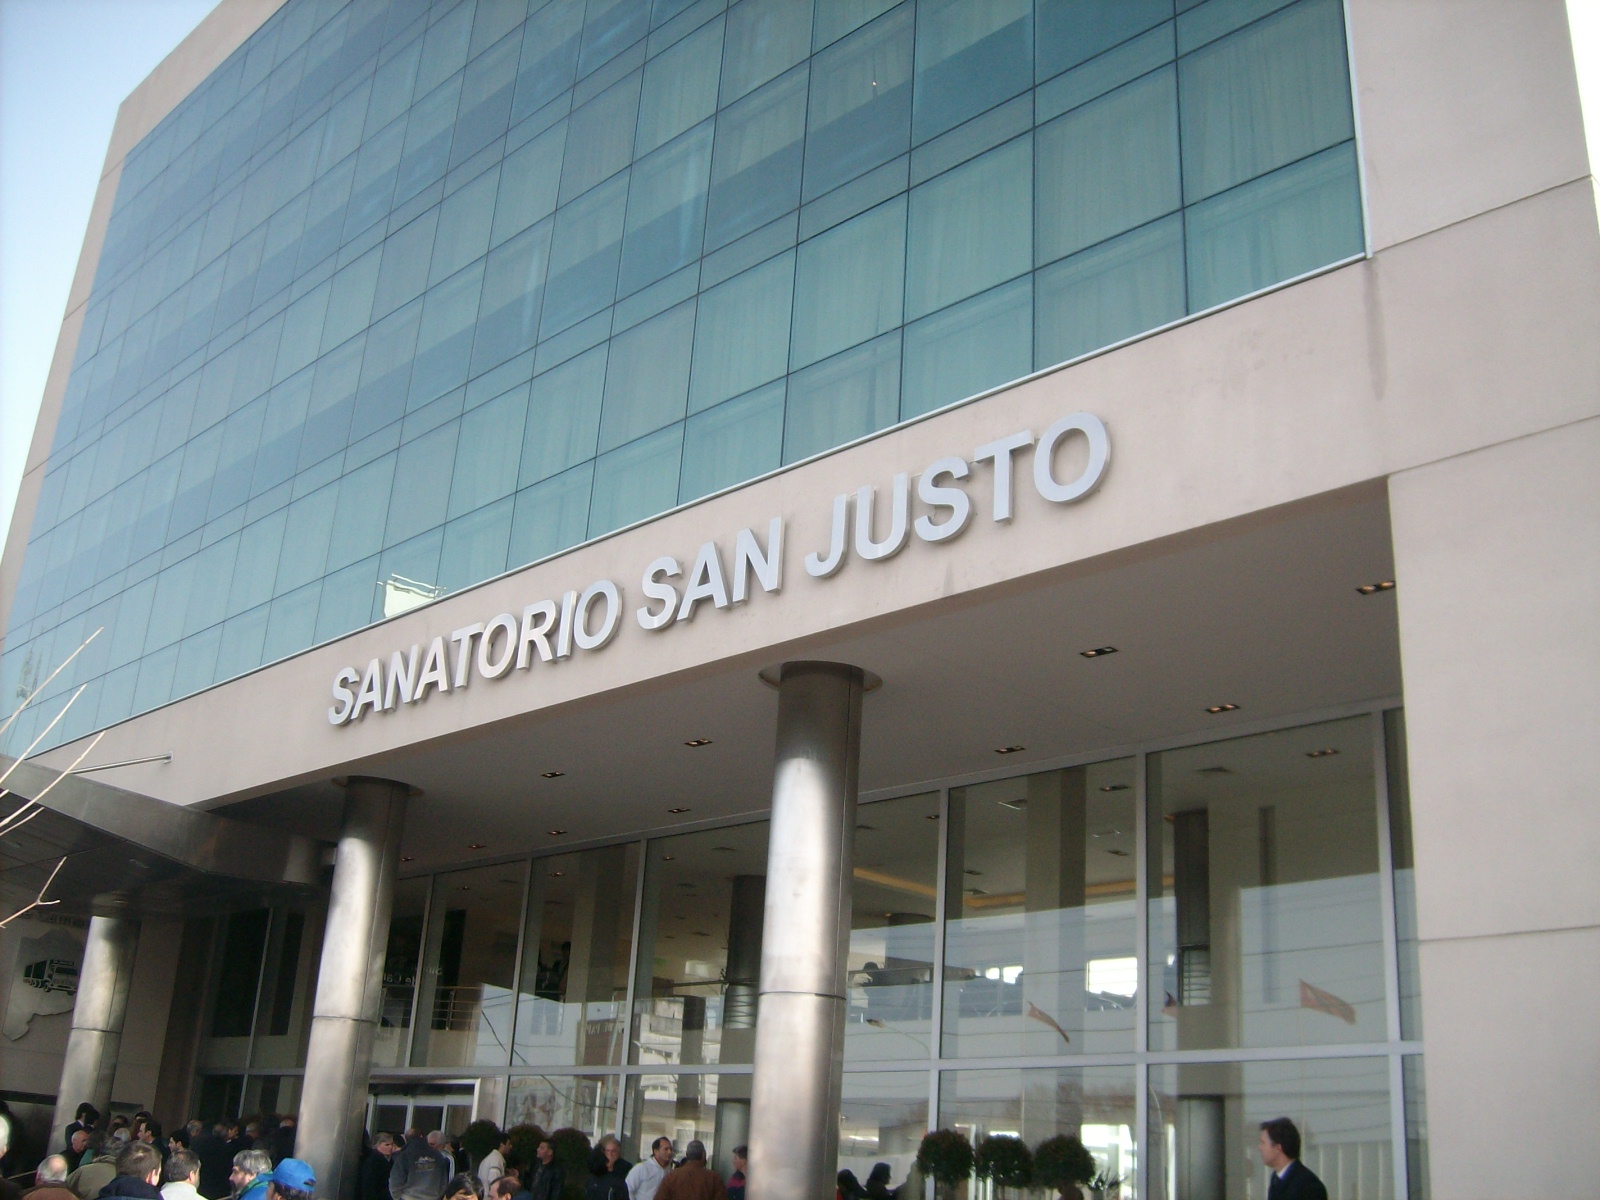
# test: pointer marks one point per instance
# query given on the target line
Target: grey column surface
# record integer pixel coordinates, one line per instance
(799, 1058)
(90, 1065)
(344, 1019)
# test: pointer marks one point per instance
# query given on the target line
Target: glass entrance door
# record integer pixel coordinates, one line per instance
(421, 1107)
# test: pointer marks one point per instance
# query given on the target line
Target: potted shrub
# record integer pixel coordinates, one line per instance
(1005, 1161)
(1063, 1162)
(945, 1157)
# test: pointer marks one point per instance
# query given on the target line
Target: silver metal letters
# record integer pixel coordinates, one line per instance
(589, 620)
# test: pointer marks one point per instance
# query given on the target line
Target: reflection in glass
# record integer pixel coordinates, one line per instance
(713, 1108)
(883, 1116)
(700, 947)
(1095, 1104)
(400, 960)
(470, 954)
(586, 1102)
(1205, 1119)
(892, 929)
(1039, 946)
(575, 950)
(1265, 916)
(288, 987)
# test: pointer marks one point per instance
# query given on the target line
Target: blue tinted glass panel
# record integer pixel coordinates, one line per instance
(408, 293)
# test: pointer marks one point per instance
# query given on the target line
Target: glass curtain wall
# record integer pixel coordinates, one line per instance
(614, 989)
(406, 295)
(256, 1008)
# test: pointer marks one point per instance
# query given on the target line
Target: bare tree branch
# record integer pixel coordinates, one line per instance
(43, 733)
(46, 683)
(40, 901)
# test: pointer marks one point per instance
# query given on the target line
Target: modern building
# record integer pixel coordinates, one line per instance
(805, 571)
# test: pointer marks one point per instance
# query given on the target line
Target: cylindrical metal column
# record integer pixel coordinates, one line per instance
(333, 1099)
(90, 1064)
(799, 1059)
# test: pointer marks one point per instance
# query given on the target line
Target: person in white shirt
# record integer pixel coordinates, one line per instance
(493, 1165)
(646, 1177)
(181, 1176)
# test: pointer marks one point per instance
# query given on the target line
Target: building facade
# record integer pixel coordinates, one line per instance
(1177, 420)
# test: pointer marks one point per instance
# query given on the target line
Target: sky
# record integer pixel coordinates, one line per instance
(65, 66)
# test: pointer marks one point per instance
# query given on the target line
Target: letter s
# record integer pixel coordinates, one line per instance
(339, 713)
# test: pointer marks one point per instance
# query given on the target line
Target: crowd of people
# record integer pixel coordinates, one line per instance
(130, 1158)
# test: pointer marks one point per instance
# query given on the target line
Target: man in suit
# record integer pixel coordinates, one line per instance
(1280, 1154)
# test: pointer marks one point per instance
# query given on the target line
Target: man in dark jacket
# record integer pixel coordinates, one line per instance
(215, 1161)
(372, 1182)
(138, 1173)
(420, 1172)
(1280, 1153)
(548, 1177)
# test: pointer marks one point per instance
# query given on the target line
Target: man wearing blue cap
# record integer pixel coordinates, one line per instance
(292, 1179)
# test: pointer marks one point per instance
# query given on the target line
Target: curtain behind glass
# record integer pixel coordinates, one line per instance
(1272, 93)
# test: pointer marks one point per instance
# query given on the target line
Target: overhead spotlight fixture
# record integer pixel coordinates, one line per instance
(1118, 853)
(551, 774)
(1214, 709)
(558, 874)
(1098, 652)
(667, 857)
(676, 811)
(474, 845)
(1114, 787)
(465, 887)
(971, 871)
(1008, 749)
(555, 832)
(408, 858)
(869, 828)
(1371, 589)
(723, 849)
(1328, 752)
(932, 816)
(696, 743)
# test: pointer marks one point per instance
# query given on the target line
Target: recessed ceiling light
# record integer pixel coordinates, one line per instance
(1215, 771)
(1383, 585)
(408, 858)
(667, 857)
(1115, 787)
(1328, 752)
(1098, 652)
(932, 816)
(555, 832)
(1118, 853)
(676, 811)
(698, 742)
(976, 892)
(1214, 709)
(551, 774)
(464, 887)
(558, 874)
(868, 828)
(723, 849)
(970, 871)
(1009, 749)
(474, 845)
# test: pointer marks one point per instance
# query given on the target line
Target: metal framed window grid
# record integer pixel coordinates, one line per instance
(1394, 1050)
